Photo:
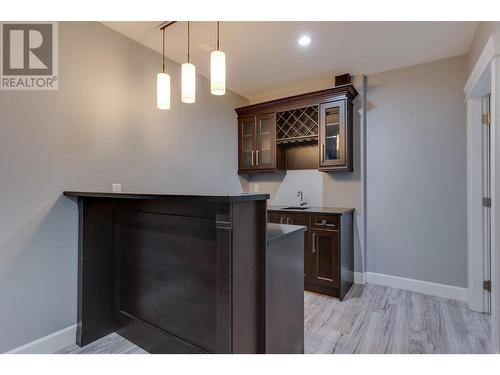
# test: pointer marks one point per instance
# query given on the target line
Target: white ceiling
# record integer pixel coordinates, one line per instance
(264, 59)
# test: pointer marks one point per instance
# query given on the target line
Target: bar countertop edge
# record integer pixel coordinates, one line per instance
(211, 197)
(314, 210)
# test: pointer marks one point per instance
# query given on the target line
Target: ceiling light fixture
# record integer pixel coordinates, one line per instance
(163, 80)
(304, 40)
(218, 69)
(188, 77)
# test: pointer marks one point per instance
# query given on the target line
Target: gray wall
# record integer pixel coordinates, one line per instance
(416, 178)
(483, 32)
(416, 175)
(101, 127)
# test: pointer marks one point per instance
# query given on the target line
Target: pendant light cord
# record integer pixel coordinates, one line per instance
(218, 43)
(188, 42)
(163, 50)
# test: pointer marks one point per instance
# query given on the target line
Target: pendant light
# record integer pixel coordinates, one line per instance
(163, 80)
(188, 76)
(218, 69)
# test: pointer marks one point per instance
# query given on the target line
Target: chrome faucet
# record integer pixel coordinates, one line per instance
(300, 195)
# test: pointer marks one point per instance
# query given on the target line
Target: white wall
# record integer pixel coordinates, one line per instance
(100, 127)
(416, 177)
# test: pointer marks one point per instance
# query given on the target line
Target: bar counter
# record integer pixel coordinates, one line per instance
(177, 273)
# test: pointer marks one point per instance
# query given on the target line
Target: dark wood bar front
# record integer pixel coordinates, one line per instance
(174, 273)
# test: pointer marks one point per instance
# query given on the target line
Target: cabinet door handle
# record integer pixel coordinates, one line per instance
(257, 157)
(314, 243)
(324, 223)
(322, 152)
(252, 157)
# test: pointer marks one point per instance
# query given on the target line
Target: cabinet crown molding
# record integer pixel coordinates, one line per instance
(315, 97)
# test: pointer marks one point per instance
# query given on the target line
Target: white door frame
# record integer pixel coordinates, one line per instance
(484, 79)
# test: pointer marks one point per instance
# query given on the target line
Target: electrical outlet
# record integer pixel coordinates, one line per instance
(255, 188)
(117, 188)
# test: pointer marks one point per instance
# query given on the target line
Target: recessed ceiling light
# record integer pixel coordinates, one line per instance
(304, 40)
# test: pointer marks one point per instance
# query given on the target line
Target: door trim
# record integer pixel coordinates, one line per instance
(475, 255)
(484, 79)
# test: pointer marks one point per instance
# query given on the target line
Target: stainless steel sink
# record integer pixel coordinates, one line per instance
(295, 208)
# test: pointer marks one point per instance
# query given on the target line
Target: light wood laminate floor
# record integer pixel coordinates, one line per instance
(111, 344)
(371, 319)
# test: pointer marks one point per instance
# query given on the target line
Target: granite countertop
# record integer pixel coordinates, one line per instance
(280, 231)
(315, 210)
(211, 197)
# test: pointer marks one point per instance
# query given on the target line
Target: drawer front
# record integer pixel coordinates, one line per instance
(325, 222)
(297, 218)
(277, 218)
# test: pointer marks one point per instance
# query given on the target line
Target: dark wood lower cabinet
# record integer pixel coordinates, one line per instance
(328, 249)
(325, 257)
(297, 218)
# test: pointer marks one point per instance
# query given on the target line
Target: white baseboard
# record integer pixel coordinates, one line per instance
(426, 287)
(359, 278)
(48, 344)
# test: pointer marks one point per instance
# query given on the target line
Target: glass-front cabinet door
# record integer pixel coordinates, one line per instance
(266, 140)
(246, 135)
(333, 154)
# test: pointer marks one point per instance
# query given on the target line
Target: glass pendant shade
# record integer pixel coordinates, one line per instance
(188, 76)
(218, 73)
(163, 91)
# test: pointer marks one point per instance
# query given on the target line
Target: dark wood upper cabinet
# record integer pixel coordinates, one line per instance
(265, 152)
(335, 136)
(257, 144)
(246, 144)
(287, 133)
